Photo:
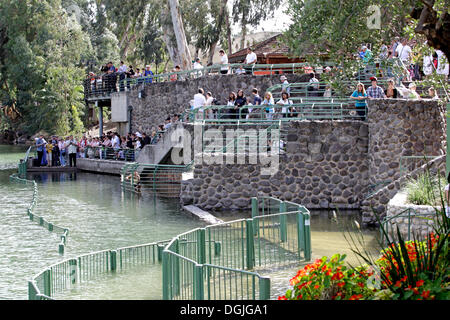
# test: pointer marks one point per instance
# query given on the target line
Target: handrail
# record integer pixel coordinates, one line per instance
(235, 249)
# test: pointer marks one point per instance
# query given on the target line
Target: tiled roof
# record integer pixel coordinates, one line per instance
(271, 46)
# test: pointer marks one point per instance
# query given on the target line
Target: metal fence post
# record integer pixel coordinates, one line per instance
(254, 207)
(113, 259)
(198, 282)
(301, 234)
(201, 246)
(250, 244)
(264, 288)
(31, 291)
(283, 223)
(166, 271)
(73, 270)
(48, 282)
(307, 237)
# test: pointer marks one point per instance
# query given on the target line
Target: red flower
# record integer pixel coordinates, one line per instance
(340, 284)
(426, 294)
(316, 286)
(356, 297)
(419, 283)
(398, 284)
(360, 284)
(282, 298)
(337, 276)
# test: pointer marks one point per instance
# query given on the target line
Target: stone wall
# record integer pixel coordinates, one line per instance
(399, 127)
(377, 203)
(410, 223)
(168, 98)
(325, 166)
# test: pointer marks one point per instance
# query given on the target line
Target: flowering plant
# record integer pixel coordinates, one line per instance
(415, 269)
(330, 279)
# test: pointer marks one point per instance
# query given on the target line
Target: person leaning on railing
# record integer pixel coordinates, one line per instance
(360, 96)
(250, 60)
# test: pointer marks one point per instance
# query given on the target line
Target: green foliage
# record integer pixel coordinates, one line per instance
(425, 190)
(41, 65)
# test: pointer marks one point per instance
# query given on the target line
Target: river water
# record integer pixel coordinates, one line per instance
(99, 216)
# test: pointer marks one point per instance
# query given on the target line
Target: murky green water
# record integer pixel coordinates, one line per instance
(99, 216)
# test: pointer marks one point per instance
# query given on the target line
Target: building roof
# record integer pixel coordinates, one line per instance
(271, 47)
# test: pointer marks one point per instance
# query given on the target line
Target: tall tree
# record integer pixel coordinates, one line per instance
(184, 55)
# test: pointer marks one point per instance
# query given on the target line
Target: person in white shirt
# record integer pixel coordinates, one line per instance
(250, 60)
(197, 67)
(285, 85)
(122, 74)
(443, 66)
(209, 113)
(199, 103)
(115, 142)
(314, 85)
(404, 51)
(72, 150)
(224, 62)
(284, 101)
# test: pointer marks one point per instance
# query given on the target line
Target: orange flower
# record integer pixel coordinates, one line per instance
(398, 284)
(340, 284)
(316, 286)
(356, 297)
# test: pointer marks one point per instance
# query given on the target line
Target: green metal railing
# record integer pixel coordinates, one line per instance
(222, 261)
(304, 110)
(71, 272)
(159, 179)
(64, 232)
(409, 215)
(108, 153)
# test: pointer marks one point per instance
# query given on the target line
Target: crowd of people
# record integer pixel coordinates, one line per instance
(416, 67)
(62, 152)
(242, 106)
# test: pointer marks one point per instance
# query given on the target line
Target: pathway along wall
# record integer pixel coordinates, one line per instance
(168, 98)
(330, 164)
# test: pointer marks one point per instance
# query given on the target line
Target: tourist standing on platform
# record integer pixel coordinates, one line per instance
(224, 62)
(391, 91)
(360, 96)
(375, 91)
(231, 103)
(40, 145)
(432, 94)
(62, 152)
(241, 100)
(122, 75)
(286, 110)
(72, 150)
(148, 74)
(250, 60)
(285, 85)
(313, 85)
(269, 102)
(199, 103)
(49, 149)
(209, 113)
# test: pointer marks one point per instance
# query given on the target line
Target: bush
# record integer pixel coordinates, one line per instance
(330, 279)
(425, 190)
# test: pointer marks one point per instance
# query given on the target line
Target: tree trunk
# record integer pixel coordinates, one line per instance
(244, 34)
(436, 30)
(180, 35)
(230, 44)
